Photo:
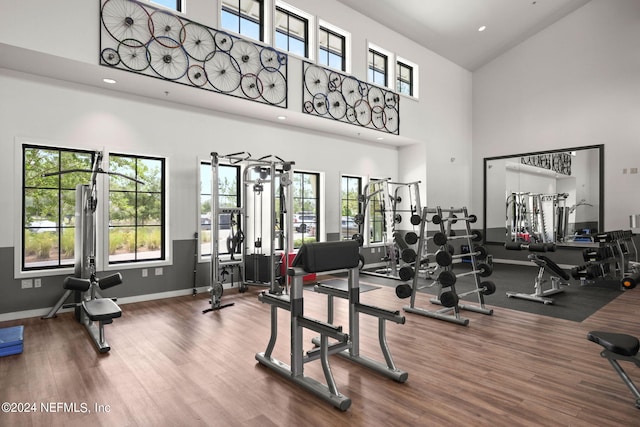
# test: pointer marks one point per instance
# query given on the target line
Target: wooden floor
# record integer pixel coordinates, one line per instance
(171, 365)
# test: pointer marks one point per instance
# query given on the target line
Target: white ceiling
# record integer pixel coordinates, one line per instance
(450, 27)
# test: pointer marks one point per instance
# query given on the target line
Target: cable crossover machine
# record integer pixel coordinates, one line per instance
(258, 226)
(91, 309)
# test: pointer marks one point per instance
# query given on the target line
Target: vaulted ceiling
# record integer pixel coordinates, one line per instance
(450, 27)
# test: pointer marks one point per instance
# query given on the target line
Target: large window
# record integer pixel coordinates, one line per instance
(48, 204)
(331, 49)
(228, 197)
(136, 209)
(404, 78)
(305, 190)
(292, 32)
(134, 212)
(245, 17)
(378, 67)
(376, 217)
(351, 188)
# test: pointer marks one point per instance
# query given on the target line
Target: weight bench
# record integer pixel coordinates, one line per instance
(542, 261)
(93, 310)
(311, 258)
(619, 347)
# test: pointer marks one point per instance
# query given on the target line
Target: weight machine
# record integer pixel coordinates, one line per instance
(90, 307)
(537, 218)
(258, 263)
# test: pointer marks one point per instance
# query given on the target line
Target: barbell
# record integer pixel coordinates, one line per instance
(441, 238)
(437, 219)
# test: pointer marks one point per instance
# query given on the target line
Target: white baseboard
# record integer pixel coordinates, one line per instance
(125, 300)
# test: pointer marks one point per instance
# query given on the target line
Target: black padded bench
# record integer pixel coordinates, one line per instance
(619, 347)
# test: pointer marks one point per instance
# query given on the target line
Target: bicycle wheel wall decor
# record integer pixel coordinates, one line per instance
(346, 99)
(146, 40)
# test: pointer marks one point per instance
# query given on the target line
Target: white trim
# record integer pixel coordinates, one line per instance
(347, 43)
(391, 66)
(311, 29)
(126, 300)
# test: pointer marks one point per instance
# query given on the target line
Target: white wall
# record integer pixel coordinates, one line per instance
(576, 83)
(79, 116)
(74, 116)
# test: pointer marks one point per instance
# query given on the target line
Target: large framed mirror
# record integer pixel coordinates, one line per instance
(545, 197)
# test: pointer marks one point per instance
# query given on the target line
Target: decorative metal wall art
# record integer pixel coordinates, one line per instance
(142, 39)
(557, 162)
(346, 99)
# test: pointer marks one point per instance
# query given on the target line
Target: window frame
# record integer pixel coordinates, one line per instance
(179, 5)
(318, 207)
(163, 210)
(371, 70)
(310, 28)
(262, 21)
(415, 87)
(371, 220)
(346, 45)
(59, 189)
(359, 180)
(205, 257)
(101, 215)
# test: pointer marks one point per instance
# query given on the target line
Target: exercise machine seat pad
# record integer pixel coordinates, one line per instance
(101, 309)
(327, 256)
(623, 344)
(555, 267)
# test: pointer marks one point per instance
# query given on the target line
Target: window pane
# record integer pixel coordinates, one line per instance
(305, 207)
(49, 204)
(136, 211)
(230, 21)
(228, 197)
(122, 244)
(171, 4)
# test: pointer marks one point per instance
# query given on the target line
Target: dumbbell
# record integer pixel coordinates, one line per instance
(440, 238)
(437, 219)
(630, 281)
(445, 258)
(449, 278)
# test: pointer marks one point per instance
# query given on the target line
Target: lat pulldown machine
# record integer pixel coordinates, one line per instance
(257, 264)
(91, 310)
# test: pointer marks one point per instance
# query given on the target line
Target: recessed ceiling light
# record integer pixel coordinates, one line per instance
(109, 81)
(484, 27)
(282, 117)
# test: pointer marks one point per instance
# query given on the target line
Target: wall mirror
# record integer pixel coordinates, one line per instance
(545, 197)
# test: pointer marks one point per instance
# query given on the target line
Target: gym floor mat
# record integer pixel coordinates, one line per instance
(576, 303)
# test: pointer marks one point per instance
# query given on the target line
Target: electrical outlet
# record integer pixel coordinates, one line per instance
(633, 170)
(37, 283)
(159, 271)
(145, 272)
(624, 171)
(27, 283)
